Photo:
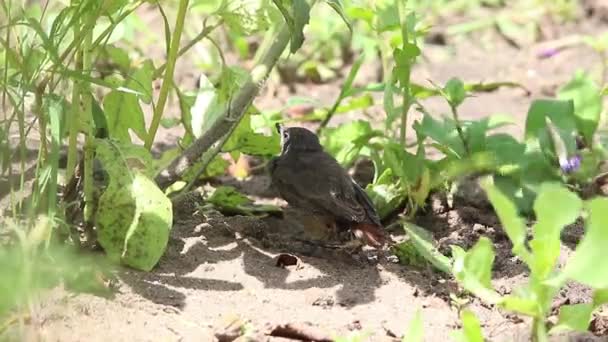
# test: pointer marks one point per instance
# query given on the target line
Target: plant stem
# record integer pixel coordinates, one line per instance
(89, 143)
(74, 117)
(231, 116)
(539, 330)
(168, 78)
(406, 87)
(202, 35)
(465, 143)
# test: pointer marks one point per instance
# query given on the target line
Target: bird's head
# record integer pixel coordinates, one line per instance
(297, 139)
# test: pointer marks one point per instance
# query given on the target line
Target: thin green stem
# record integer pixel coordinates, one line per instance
(458, 124)
(168, 78)
(74, 117)
(406, 87)
(202, 35)
(89, 144)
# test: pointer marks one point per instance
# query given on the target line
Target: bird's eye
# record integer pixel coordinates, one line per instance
(285, 135)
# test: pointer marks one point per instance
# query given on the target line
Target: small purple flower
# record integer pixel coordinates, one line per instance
(548, 53)
(571, 164)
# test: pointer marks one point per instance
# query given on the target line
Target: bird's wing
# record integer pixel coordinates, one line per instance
(319, 181)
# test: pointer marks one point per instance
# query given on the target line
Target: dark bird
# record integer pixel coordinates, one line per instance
(311, 180)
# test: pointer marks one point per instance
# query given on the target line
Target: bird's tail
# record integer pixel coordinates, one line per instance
(372, 234)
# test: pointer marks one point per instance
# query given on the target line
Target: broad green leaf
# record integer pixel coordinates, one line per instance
(423, 242)
(228, 200)
(386, 194)
(110, 7)
(520, 304)
(228, 196)
(512, 223)
(561, 113)
(339, 8)
(216, 167)
(414, 332)
(505, 147)
(573, 317)
(141, 81)
(583, 265)
(555, 207)
(600, 297)
(123, 113)
(134, 217)
(471, 328)
(407, 253)
(117, 56)
(364, 13)
(476, 268)
(454, 90)
(408, 167)
(587, 102)
(282, 5)
(443, 132)
(244, 140)
(387, 16)
(470, 269)
(301, 16)
(450, 169)
(206, 109)
(341, 142)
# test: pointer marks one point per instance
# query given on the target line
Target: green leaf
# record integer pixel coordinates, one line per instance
(141, 81)
(386, 194)
(123, 112)
(301, 16)
(587, 102)
(342, 141)
(339, 8)
(561, 114)
(54, 107)
(443, 132)
(408, 167)
(454, 89)
(423, 242)
(363, 13)
(555, 207)
(573, 317)
(522, 303)
(600, 297)
(387, 16)
(229, 201)
(134, 217)
(583, 265)
(421, 191)
(206, 109)
(117, 56)
(471, 269)
(512, 223)
(414, 332)
(245, 140)
(471, 328)
(475, 270)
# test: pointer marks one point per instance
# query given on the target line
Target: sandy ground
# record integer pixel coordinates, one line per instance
(217, 268)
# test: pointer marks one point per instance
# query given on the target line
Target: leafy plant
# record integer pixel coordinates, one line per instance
(555, 207)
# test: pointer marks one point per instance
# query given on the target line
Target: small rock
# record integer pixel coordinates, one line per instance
(324, 302)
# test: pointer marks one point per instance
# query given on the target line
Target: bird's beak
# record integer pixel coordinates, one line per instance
(279, 128)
